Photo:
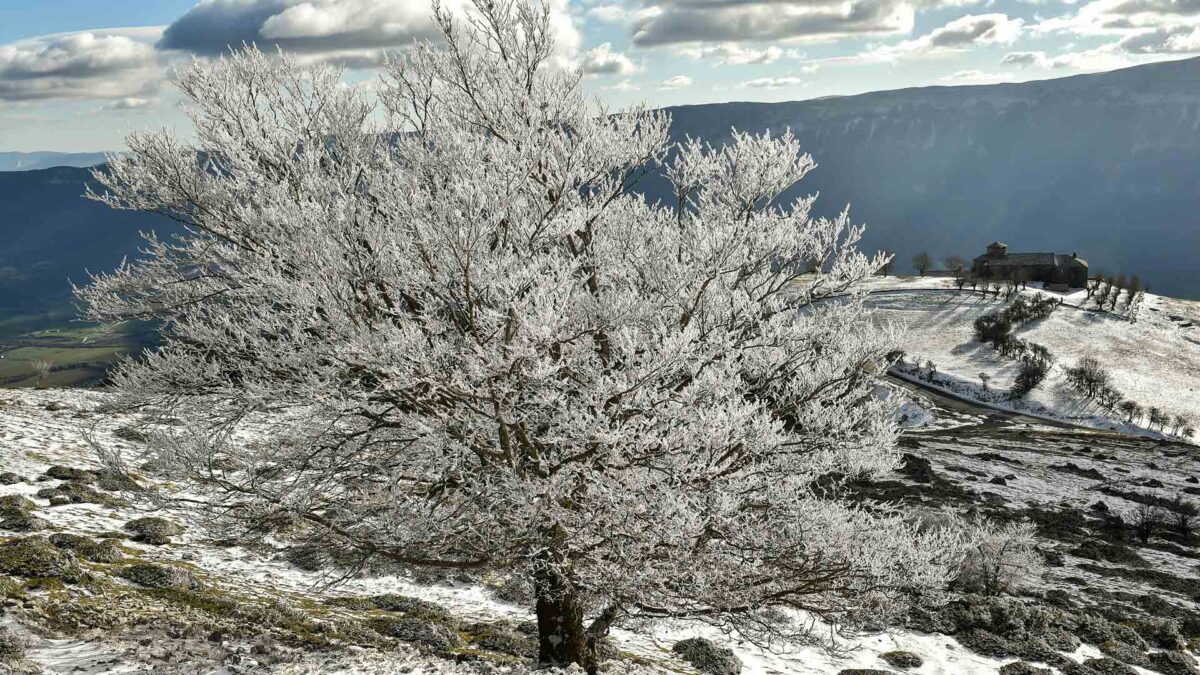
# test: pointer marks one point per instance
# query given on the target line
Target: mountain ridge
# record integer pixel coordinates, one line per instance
(33, 161)
(1104, 164)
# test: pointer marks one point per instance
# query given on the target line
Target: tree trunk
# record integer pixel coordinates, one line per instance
(562, 640)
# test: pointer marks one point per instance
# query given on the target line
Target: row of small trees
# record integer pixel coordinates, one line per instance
(1035, 360)
(1155, 417)
(1089, 377)
(1106, 291)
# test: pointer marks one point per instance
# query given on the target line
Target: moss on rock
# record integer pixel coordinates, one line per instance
(1174, 663)
(1109, 666)
(116, 482)
(16, 520)
(400, 604)
(422, 632)
(16, 503)
(902, 659)
(70, 473)
(103, 551)
(153, 531)
(1101, 551)
(78, 493)
(502, 637)
(37, 558)
(1022, 668)
(708, 657)
(12, 646)
(156, 576)
(1125, 653)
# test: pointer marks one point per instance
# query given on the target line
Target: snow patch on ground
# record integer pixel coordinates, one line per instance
(36, 438)
(1154, 361)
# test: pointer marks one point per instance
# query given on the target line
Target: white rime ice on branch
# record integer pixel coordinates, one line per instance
(465, 342)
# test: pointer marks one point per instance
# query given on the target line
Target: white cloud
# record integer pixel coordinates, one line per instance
(604, 61)
(677, 82)
(623, 85)
(1105, 57)
(1023, 59)
(773, 82)
(674, 22)
(608, 13)
(977, 29)
(1141, 26)
(737, 54)
(131, 103)
(977, 77)
(957, 35)
(350, 31)
(716, 22)
(110, 63)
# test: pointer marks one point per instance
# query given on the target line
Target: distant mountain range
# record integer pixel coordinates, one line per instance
(1106, 165)
(51, 236)
(32, 161)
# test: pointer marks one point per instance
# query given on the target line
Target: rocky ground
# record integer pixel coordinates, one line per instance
(96, 578)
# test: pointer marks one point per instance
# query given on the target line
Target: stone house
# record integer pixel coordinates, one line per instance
(1058, 271)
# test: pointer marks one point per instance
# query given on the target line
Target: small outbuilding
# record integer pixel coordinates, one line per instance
(1058, 271)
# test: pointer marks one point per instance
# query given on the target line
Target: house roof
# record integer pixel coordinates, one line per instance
(1034, 259)
(994, 244)
(1063, 260)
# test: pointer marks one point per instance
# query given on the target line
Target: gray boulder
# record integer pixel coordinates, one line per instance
(902, 659)
(708, 657)
(1022, 668)
(1174, 663)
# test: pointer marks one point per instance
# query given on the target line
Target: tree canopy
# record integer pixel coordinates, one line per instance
(450, 335)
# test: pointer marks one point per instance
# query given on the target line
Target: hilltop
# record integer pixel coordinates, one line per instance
(1152, 354)
(1103, 161)
(100, 577)
(31, 161)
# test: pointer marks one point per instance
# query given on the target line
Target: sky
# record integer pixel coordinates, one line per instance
(78, 75)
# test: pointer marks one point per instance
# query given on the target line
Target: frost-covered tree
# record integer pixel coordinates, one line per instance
(1145, 519)
(1088, 376)
(1156, 417)
(1184, 514)
(922, 262)
(956, 264)
(41, 368)
(889, 261)
(1131, 410)
(1135, 289)
(1001, 558)
(450, 335)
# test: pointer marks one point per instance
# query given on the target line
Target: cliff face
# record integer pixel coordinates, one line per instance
(1103, 164)
(1106, 165)
(50, 236)
(32, 161)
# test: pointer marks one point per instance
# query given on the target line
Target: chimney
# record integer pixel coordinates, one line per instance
(1074, 254)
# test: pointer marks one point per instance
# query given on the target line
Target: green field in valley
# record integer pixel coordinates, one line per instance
(68, 355)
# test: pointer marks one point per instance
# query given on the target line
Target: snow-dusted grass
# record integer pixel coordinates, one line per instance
(1153, 360)
(35, 438)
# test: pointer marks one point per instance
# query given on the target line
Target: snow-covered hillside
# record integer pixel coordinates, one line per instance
(189, 602)
(44, 429)
(1103, 163)
(1153, 360)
